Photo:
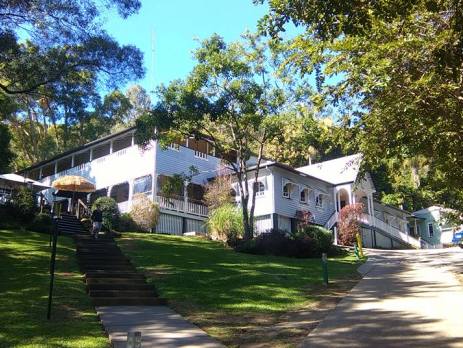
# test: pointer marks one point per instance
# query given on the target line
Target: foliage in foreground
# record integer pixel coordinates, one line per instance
(24, 265)
(230, 99)
(144, 213)
(398, 75)
(349, 223)
(226, 223)
(308, 242)
(110, 211)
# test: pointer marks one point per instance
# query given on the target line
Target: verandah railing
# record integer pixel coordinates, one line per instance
(179, 204)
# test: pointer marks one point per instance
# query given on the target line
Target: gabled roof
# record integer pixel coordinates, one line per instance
(338, 171)
(431, 209)
(269, 163)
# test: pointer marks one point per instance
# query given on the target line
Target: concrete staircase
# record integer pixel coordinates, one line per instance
(110, 277)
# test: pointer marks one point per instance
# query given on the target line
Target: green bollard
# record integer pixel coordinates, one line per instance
(325, 269)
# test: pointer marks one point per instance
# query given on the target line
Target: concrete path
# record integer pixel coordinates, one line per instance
(408, 298)
(159, 326)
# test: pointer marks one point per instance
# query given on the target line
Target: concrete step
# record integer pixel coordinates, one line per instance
(113, 274)
(96, 246)
(122, 293)
(120, 268)
(106, 265)
(116, 281)
(120, 286)
(128, 301)
(95, 258)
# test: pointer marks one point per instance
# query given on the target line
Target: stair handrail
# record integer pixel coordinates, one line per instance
(85, 209)
(391, 230)
(332, 220)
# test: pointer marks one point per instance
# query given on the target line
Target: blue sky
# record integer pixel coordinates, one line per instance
(176, 24)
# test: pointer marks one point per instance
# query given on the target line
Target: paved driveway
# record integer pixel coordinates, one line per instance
(408, 298)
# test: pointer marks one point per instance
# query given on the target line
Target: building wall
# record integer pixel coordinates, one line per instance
(170, 161)
(115, 168)
(288, 206)
(430, 217)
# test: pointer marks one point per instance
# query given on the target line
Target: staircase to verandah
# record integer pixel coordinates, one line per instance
(381, 226)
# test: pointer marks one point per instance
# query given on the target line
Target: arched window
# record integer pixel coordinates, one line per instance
(287, 190)
(259, 188)
(304, 198)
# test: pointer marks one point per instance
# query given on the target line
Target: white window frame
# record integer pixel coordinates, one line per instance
(288, 194)
(260, 192)
(430, 233)
(306, 194)
(319, 201)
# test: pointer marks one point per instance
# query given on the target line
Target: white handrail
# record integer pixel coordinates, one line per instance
(332, 220)
(393, 231)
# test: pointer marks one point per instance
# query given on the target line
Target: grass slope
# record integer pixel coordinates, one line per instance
(24, 264)
(201, 278)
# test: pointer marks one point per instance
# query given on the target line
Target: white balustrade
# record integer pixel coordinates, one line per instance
(181, 206)
(393, 231)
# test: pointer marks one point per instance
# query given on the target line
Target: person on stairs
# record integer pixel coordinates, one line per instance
(97, 219)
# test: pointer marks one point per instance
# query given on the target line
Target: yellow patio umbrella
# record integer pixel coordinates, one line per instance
(73, 183)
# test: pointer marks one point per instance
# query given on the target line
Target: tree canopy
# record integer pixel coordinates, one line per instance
(230, 99)
(56, 62)
(394, 71)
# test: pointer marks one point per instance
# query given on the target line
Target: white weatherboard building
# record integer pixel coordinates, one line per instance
(120, 169)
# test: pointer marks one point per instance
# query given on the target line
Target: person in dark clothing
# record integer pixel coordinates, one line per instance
(97, 219)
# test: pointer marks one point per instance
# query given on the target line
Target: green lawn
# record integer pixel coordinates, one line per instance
(24, 279)
(204, 279)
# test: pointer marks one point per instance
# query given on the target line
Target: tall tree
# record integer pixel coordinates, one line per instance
(55, 62)
(6, 155)
(42, 42)
(398, 72)
(230, 99)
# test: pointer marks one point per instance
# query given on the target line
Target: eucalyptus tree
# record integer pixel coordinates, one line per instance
(231, 99)
(43, 42)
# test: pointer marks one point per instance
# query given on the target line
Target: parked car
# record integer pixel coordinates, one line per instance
(458, 239)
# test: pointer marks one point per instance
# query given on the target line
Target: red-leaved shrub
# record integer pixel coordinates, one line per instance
(349, 223)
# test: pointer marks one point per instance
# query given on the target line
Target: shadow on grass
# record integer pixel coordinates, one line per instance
(24, 270)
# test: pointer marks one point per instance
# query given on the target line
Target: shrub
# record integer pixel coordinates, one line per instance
(321, 236)
(279, 243)
(42, 223)
(23, 206)
(219, 192)
(110, 211)
(349, 223)
(144, 212)
(126, 224)
(226, 224)
(310, 241)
